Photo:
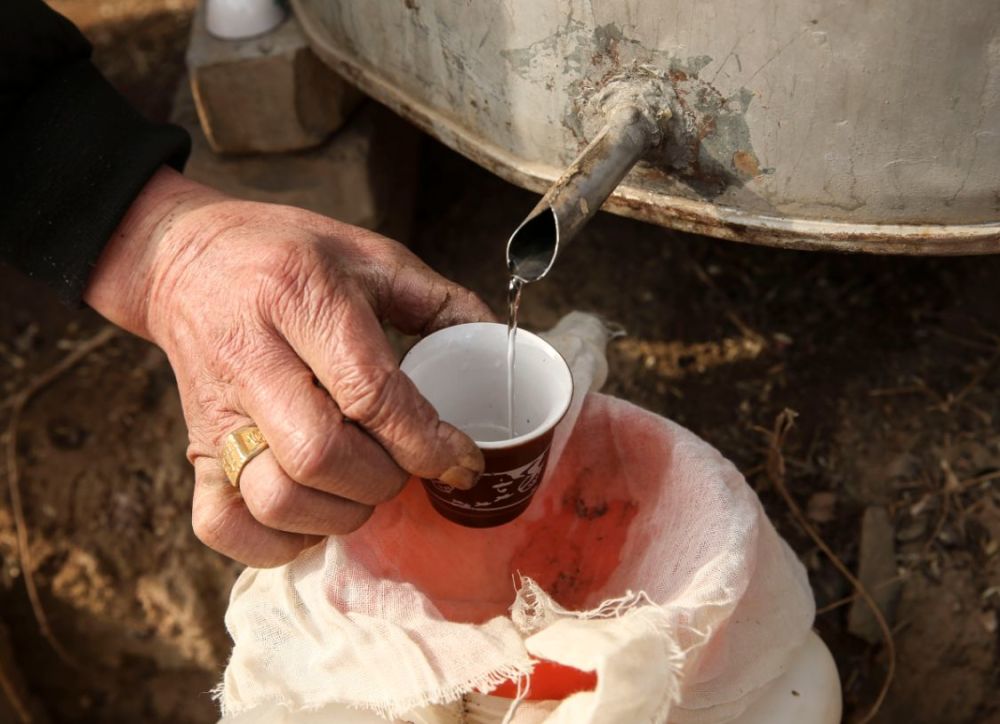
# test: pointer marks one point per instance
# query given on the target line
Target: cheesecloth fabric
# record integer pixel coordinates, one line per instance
(645, 557)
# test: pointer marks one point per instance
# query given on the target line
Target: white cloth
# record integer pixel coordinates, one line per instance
(645, 557)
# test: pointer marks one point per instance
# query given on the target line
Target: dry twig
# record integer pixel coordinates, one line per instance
(12, 691)
(18, 403)
(942, 519)
(13, 698)
(745, 329)
(979, 479)
(776, 473)
(855, 595)
(977, 379)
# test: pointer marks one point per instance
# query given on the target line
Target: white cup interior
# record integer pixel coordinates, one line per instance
(462, 371)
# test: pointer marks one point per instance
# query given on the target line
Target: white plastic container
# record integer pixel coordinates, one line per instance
(239, 19)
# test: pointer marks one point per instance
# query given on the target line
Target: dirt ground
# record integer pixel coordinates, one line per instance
(890, 363)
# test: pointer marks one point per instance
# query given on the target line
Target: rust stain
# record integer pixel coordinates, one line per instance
(706, 128)
(613, 53)
(853, 242)
(746, 163)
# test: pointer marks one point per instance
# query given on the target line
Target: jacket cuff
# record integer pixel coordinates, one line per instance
(76, 155)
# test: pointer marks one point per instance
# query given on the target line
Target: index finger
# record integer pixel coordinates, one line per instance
(343, 343)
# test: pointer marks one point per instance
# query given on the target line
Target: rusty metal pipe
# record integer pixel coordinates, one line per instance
(572, 200)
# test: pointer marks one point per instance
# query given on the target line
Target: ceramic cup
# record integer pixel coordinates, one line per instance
(462, 371)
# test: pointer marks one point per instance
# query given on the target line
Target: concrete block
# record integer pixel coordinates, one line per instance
(364, 174)
(265, 94)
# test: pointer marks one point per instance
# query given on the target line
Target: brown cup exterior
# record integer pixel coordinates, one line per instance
(502, 492)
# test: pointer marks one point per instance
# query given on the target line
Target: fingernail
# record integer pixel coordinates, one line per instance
(473, 461)
(459, 477)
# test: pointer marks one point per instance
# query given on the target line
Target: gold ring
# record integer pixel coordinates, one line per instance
(240, 447)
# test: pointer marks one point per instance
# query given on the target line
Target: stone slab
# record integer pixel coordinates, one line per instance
(365, 174)
(265, 94)
(878, 572)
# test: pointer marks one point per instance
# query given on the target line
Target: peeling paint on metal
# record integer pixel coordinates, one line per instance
(707, 131)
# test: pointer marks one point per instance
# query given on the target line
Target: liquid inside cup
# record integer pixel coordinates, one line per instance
(486, 431)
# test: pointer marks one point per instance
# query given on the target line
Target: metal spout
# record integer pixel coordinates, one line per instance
(572, 200)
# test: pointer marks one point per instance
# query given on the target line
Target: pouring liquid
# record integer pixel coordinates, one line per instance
(535, 250)
(513, 303)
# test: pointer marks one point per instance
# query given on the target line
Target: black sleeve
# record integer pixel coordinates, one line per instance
(73, 153)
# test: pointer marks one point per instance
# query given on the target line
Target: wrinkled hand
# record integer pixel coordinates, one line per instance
(271, 315)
